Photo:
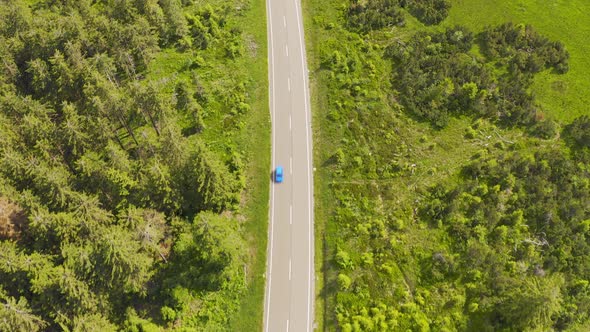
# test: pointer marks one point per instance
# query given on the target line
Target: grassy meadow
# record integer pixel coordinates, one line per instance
(376, 162)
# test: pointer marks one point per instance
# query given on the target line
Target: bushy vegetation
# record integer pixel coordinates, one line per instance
(524, 49)
(123, 215)
(578, 135)
(374, 15)
(564, 96)
(451, 198)
(369, 15)
(428, 11)
(517, 226)
(438, 76)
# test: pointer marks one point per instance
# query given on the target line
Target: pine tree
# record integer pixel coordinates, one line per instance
(17, 316)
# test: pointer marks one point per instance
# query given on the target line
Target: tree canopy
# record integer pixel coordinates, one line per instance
(109, 196)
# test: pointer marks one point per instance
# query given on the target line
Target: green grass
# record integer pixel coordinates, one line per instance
(564, 97)
(167, 67)
(254, 140)
(322, 197)
(321, 190)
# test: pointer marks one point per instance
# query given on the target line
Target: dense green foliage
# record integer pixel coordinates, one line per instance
(374, 15)
(438, 76)
(428, 11)
(451, 198)
(371, 15)
(524, 48)
(518, 231)
(578, 133)
(126, 217)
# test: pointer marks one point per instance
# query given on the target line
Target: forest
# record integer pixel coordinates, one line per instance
(118, 211)
(451, 196)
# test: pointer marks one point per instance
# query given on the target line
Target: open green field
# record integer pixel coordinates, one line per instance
(379, 226)
(563, 96)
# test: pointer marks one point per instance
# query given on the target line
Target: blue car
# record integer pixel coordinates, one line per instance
(279, 174)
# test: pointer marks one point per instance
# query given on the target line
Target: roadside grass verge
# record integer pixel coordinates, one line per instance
(254, 140)
(320, 189)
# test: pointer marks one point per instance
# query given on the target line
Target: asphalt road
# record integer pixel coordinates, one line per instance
(290, 268)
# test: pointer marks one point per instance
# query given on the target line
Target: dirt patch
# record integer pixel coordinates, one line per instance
(251, 45)
(12, 220)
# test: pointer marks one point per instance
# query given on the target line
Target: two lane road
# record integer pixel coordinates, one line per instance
(290, 268)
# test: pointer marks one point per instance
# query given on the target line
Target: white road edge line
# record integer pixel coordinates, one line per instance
(272, 204)
(309, 182)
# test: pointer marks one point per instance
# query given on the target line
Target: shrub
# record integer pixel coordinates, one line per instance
(545, 129)
(168, 314)
(527, 50)
(470, 133)
(367, 259)
(344, 282)
(428, 11)
(373, 15)
(343, 260)
(438, 77)
(578, 132)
